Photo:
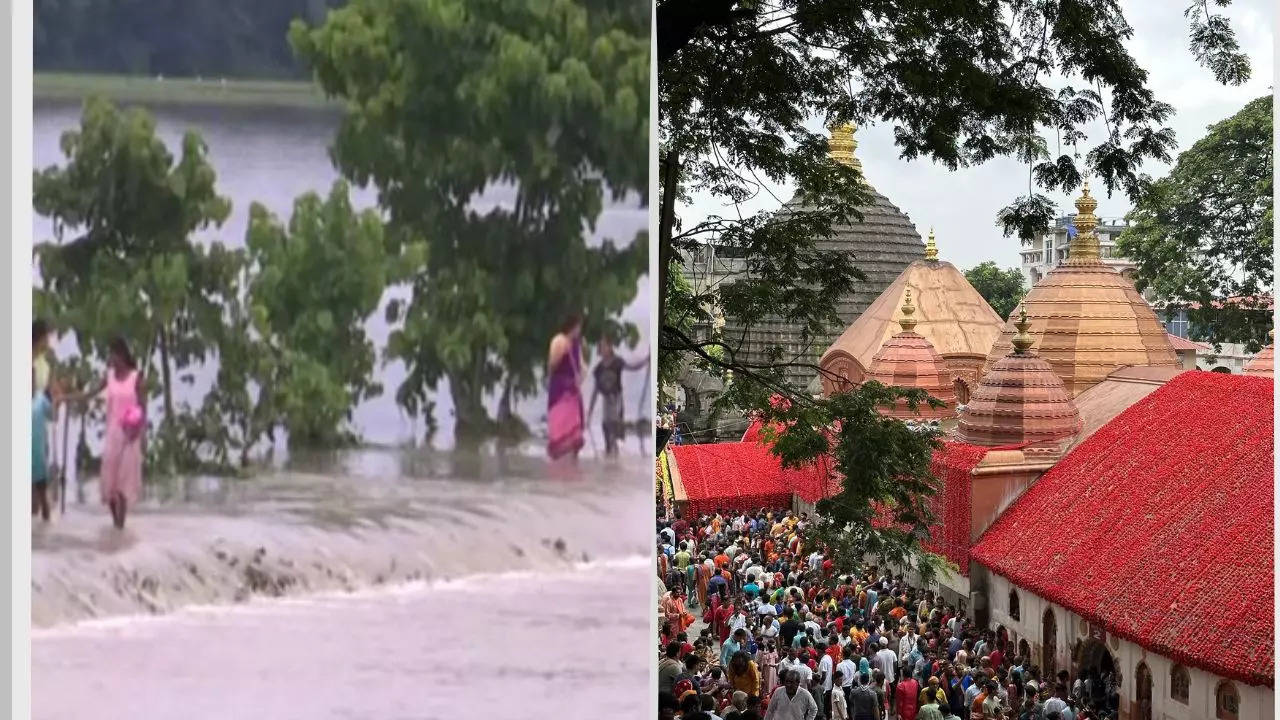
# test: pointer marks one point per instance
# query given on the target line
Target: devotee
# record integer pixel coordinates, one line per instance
(791, 702)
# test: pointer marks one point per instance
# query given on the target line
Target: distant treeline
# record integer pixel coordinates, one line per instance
(177, 38)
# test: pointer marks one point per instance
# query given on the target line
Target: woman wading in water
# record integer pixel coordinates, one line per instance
(564, 393)
(123, 390)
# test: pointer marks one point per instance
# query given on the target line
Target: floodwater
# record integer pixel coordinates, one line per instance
(381, 582)
(372, 595)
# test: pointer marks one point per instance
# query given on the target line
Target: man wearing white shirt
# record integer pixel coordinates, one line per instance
(790, 701)
(907, 642)
(826, 670)
(886, 660)
(848, 668)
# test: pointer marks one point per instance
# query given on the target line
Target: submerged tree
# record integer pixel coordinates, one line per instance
(961, 84)
(1203, 236)
(123, 261)
(313, 286)
(448, 103)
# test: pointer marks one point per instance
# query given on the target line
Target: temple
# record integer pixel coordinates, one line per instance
(882, 245)
(1100, 500)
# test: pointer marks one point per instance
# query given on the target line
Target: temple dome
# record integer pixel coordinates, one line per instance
(909, 360)
(1264, 362)
(950, 314)
(1086, 318)
(882, 245)
(1020, 401)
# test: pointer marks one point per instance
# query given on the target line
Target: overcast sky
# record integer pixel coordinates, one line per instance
(962, 205)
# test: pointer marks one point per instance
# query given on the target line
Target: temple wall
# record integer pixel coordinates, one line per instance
(1256, 703)
(1001, 477)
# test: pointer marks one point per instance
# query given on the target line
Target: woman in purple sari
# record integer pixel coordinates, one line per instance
(564, 393)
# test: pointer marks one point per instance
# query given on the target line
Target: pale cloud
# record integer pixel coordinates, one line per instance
(962, 205)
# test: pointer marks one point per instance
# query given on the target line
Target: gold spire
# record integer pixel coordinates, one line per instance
(1023, 341)
(907, 322)
(931, 248)
(842, 144)
(1084, 247)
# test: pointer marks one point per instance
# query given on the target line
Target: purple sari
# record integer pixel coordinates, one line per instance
(564, 405)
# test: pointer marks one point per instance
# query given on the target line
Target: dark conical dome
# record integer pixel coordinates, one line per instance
(881, 246)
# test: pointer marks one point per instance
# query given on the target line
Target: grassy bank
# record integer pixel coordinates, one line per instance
(178, 91)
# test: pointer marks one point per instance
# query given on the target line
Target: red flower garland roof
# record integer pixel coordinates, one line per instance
(746, 476)
(1159, 527)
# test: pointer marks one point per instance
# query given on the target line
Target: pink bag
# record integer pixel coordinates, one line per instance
(132, 421)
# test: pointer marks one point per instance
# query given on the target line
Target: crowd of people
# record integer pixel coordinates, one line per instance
(757, 622)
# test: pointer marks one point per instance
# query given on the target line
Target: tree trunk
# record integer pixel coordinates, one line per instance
(466, 389)
(165, 376)
(670, 168)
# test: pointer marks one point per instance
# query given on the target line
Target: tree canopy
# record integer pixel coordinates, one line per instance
(1002, 289)
(283, 318)
(960, 83)
(446, 101)
(1203, 236)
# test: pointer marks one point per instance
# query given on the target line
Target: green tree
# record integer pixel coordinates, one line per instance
(446, 100)
(1203, 237)
(961, 84)
(1002, 289)
(314, 285)
(132, 268)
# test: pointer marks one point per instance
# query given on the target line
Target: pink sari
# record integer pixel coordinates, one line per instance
(564, 405)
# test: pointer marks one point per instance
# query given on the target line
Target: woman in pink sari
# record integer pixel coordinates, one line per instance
(673, 609)
(564, 391)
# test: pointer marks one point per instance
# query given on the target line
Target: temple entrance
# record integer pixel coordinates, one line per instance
(1096, 668)
(1049, 645)
(1143, 710)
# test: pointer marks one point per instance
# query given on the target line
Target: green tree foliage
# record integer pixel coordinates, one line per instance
(314, 285)
(448, 99)
(284, 318)
(131, 267)
(1002, 289)
(960, 83)
(1203, 237)
(212, 38)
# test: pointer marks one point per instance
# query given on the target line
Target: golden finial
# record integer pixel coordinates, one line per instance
(1084, 246)
(907, 322)
(931, 248)
(1023, 341)
(842, 144)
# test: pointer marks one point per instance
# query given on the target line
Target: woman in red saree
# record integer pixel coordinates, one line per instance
(564, 391)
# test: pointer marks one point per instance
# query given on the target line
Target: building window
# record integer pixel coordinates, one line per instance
(1015, 611)
(1228, 701)
(1144, 692)
(1176, 323)
(1180, 684)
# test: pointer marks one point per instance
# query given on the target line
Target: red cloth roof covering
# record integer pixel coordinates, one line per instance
(1159, 527)
(949, 535)
(746, 476)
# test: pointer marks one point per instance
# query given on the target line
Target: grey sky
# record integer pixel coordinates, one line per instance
(962, 205)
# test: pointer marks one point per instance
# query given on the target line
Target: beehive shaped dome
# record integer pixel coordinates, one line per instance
(950, 313)
(1020, 401)
(1087, 320)
(1264, 362)
(909, 360)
